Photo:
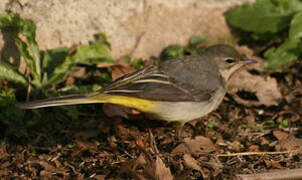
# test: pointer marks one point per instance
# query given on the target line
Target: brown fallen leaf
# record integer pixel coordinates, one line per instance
(105, 64)
(295, 95)
(254, 148)
(80, 73)
(117, 70)
(264, 88)
(290, 143)
(280, 135)
(100, 177)
(190, 162)
(83, 146)
(120, 70)
(49, 169)
(158, 170)
(200, 144)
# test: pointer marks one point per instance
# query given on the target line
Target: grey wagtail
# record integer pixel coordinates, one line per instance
(178, 89)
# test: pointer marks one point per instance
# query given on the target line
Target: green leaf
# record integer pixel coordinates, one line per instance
(137, 63)
(287, 52)
(127, 59)
(103, 39)
(92, 54)
(8, 107)
(268, 36)
(264, 15)
(28, 49)
(9, 72)
(283, 124)
(10, 20)
(295, 31)
(172, 51)
(53, 58)
(195, 40)
(87, 54)
(23, 49)
(212, 124)
(7, 95)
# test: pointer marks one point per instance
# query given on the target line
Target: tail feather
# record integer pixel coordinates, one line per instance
(65, 100)
(132, 102)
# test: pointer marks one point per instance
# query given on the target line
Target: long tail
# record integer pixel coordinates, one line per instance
(65, 100)
(132, 102)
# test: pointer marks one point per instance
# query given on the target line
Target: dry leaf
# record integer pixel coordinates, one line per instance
(158, 170)
(49, 169)
(198, 145)
(290, 143)
(280, 135)
(100, 177)
(254, 148)
(105, 64)
(190, 162)
(120, 70)
(81, 146)
(264, 88)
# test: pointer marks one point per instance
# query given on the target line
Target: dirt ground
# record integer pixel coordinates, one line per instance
(241, 137)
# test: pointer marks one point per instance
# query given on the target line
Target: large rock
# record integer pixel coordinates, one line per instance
(139, 28)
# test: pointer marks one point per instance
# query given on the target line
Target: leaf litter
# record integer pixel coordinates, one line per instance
(101, 147)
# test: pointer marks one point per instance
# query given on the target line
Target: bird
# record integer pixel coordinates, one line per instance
(179, 89)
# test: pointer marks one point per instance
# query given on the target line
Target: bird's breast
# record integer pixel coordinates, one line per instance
(187, 110)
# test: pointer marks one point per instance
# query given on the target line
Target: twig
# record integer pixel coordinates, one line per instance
(259, 153)
(273, 175)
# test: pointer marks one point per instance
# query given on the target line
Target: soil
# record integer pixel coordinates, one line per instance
(94, 146)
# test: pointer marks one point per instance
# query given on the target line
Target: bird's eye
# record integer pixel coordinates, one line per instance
(230, 61)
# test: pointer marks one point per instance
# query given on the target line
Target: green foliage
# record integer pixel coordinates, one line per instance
(267, 20)
(137, 63)
(196, 40)
(178, 50)
(9, 72)
(86, 54)
(172, 51)
(28, 48)
(101, 37)
(264, 15)
(47, 69)
(283, 124)
(50, 67)
(212, 124)
(288, 51)
(8, 106)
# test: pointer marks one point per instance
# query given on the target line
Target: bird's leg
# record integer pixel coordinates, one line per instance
(179, 130)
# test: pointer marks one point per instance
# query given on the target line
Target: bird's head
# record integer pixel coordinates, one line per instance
(227, 59)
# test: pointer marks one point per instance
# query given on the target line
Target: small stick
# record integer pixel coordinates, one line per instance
(273, 175)
(258, 153)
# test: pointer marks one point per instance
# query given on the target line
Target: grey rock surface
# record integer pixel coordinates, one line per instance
(139, 28)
